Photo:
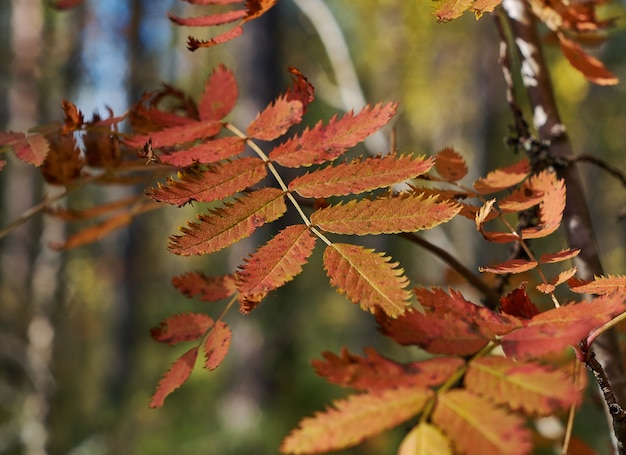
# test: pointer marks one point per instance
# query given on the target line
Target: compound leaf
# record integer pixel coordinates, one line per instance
(367, 278)
(225, 226)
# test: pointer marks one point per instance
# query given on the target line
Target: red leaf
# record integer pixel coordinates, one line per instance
(174, 377)
(286, 111)
(208, 152)
(216, 345)
(31, 149)
(360, 175)
(94, 233)
(219, 96)
(375, 372)
(177, 135)
(476, 427)
(216, 183)
(450, 325)
(207, 288)
(589, 66)
(504, 178)
(558, 328)
(403, 213)
(450, 165)
(354, 419)
(223, 227)
(181, 327)
(367, 278)
(326, 142)
(66, 4)
(275, 263)
(517, 303)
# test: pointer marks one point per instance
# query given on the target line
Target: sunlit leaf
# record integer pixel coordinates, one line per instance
(530, 387)
(367, 278)
(600, 285)
(326, 142)
(425, 439)
(360, 175)
(354, 419)
(216, 345)
(385, 215)
(223, 227)
(477, 427)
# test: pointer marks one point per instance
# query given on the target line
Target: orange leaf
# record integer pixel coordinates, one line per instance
(425, 439)
(600, 285)
(558, 328)
(277, 262)
(354, 419)
(562, 255)
(367, 278)
(208, 152)
(561, 278)
(447, 10)
(360, 175)
(223, 227)
(95, 211)
(484, 6)
(96, 232)
(257, 8)
(326, 142)
(207, 288)
(174, 377)
(218, 182)
(181, 327)
(216, 345)
(375, 372)
(530, 387)
(219, 96)
(209, 20)
(510, 266)
(450, 165)
(550, 209)
(476, 427)
(503, 178)
(589, 66)
(287, 110)
(403, 213)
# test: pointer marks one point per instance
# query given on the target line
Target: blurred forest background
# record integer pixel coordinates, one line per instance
(77, 366)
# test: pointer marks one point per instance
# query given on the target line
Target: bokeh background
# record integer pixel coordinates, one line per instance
(77, 366)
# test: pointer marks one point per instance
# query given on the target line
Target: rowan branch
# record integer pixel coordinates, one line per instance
(558, 148)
